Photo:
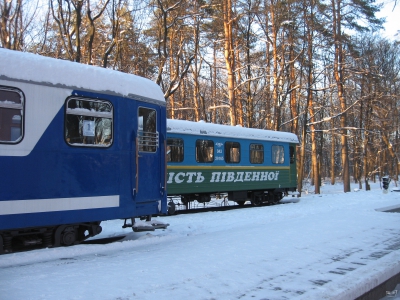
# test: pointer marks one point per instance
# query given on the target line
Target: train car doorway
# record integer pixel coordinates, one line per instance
(149, 156)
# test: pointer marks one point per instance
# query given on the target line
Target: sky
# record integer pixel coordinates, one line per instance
(330, 246)
(391, 13)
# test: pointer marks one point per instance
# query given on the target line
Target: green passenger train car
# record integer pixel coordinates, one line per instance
(246, 164)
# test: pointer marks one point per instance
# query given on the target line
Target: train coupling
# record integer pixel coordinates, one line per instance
(294, 194)
(148, 225)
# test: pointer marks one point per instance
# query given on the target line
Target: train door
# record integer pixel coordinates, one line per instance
(293, 170)
(149, 164)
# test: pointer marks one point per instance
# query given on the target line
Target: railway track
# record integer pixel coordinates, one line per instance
(198, 209)
(217, 205)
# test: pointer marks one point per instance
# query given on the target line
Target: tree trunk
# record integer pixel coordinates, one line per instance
(333, 149)
(338, 73)
(214, 85)
(77, 29)
(229, 58)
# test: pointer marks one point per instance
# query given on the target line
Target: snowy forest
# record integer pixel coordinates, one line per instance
(316, 68)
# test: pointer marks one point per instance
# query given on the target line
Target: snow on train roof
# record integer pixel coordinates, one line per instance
(50, 71)
(209, 129)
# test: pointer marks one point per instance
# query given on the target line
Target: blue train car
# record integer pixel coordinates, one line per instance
(78, 145)
(247, 164)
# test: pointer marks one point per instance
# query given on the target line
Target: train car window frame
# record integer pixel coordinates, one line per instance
(92, 121)
(278, 154)
(11, 124)
(175, 150)
(232, 152)
(148, 137)
(256, 153)
(204, 151)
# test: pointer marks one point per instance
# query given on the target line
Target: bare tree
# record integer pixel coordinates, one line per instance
(168, 25)
(16, 22)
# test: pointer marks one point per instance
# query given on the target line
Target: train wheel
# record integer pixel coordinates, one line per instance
(278, 196)
(204, 198)
(6, 244)
(68, 236)
(186, 200)
(256, 201)
(1, 245)
(65, 235)
(275, 197)
(171, 208)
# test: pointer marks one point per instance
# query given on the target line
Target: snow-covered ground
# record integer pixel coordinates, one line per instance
(328, 246)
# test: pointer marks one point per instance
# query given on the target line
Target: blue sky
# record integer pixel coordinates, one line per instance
(392, 25)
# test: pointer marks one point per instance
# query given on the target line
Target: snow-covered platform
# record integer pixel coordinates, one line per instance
(330, 246)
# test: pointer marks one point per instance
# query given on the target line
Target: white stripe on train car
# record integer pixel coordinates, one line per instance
(38, 116)
(12, 207)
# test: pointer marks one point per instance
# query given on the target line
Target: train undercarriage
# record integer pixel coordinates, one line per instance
(64, 235)
(43, 237)
(256, 198)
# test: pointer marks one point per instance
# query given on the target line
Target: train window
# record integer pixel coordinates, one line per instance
(147, 133)
(89, 123)
(278, 154)
(11, 115)
(174, 150)
(292, 156)
(256, 153)
(204, 151)
(232, 152)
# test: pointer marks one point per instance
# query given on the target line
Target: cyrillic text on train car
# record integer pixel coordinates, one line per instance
(236, 176)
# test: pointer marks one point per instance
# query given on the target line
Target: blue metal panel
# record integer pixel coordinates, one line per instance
(56, 170)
